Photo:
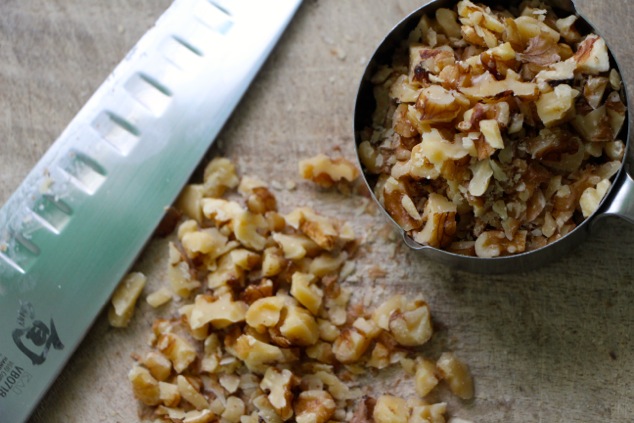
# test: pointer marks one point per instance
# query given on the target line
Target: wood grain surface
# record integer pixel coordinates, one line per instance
(555, 344)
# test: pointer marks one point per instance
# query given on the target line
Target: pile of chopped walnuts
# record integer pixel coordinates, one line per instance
(266, 333)
(496, 131)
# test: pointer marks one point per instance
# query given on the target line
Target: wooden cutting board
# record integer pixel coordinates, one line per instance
(552, 345)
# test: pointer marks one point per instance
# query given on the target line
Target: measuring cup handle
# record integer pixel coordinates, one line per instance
(622, 202)
(411, 243)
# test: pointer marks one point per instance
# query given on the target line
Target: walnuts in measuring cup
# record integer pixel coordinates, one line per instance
(495, 131)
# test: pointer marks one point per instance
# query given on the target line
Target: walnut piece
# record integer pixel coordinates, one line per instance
(304, 290)
(390, 409)
(325, 171)
(495, 243)
(220, 175)
(180, 352)
(440, 225)
(279, 384)
(592, 196)
(408, 321)
(158, 298)
(314, 406)
(299, 326)
(159, 366)
(265, 313)
(425, 378)
(190, 394)
(124, 299)
(219, 312)
(456, 374)
(144, 386)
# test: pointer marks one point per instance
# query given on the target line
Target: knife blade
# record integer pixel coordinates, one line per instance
(80, 218)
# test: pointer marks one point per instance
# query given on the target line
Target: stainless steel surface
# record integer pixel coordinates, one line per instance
(82, 215)
(622, 202)
(619, 201)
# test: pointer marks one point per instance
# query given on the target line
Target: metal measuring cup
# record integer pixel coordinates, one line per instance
(618, 201)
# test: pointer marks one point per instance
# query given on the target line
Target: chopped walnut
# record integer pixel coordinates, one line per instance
(193, 416)
(234, 410)
(257, 195)
(265, 411)
(557, 106)
(279, 384)
(432, 413)
(479, 114)
(490, 129)
(226, 273)
(440, 225)
(425, 378)
(190, 394)
(321, 352)
(299, 326)
(273, 261)
(219, 175)
(180, 351)
(410, 324)
(189, 201)
(350, 345)
(592, 55)
(327, 330)
(271, 334)
(247, 227)
(370, 157)
(265, 313)
(219, 312)
(495, 244)
(594, 89)
(325, 171)
(295, 246)
(327, 263)
(159, 297)
(314, 406)
(220, 210)
(212, 353)
(179, 273)
(124, 299)
(391, 409)
(306, 292)
(408, 320)
(566, 28)
(159, 366)
(456, 374)
(436, 104)
(144, 386)
(479, 183)
(169, 394)
(339, 390)
(256, 354)
(380, 357)
(487, 87)
(591, 197)
(318, 228)
(209, 242)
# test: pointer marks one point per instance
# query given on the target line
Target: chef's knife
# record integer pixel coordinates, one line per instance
(80, 218)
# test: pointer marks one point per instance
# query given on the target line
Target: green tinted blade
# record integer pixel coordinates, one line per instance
(83, 214)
